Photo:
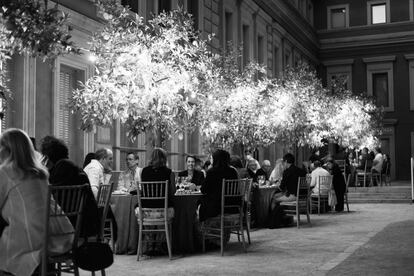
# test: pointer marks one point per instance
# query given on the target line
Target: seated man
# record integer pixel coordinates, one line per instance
(289, 183)
(318, 171)
(193, 176)
(128, 179)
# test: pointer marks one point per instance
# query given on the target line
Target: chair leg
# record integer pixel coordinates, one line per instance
(222, 239)
(139, 251)
(347, 204)
(242, 234)
(203, 238)
(93, 273)
(307, 216)
(103, 272)
(248, 228)
(319, 206)
(297, 216)
(76, 270)
(112, 237)
(167, 236)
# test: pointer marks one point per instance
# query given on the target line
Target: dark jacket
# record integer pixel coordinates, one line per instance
(290, 178)
(254, 176)
(198, 177)
(66, 173)
(338, 180)
(211, 202)
(150, 173)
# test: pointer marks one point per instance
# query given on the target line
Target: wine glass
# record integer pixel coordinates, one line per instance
(261, 180)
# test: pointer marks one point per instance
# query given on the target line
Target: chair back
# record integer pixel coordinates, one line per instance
(247, 189)
(325, 184)
(232, 195)
(303, 192)
(153, 191)
(63, 202)
(103, 200)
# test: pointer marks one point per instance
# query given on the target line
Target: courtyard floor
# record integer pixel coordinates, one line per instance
(372, 239)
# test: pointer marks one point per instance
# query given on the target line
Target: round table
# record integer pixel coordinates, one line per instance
(186, 238)
(123, 209)
(261, 204)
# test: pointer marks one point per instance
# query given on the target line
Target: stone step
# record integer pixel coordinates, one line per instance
(377, 200)
(378, 195)
(387, 189)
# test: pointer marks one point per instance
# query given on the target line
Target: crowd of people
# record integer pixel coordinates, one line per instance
(26, 173)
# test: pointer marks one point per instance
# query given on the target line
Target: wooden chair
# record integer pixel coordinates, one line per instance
(232, 198)
(321, 199)
(106, 231)
(71, 199)
(247, 199)
(153, 192)
(363, 175)
(348, 179)
(301, 205)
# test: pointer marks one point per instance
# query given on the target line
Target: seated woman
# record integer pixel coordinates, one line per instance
(254, 172)
(211, 189)
(277, 173)
(235, 162)
(157, 170)
(193, 176)
(23, 192)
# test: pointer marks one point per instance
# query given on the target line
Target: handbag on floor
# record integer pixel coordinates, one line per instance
(93, 256)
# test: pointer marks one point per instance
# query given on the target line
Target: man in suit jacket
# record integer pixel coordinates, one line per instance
(289, 183)
(193, 176)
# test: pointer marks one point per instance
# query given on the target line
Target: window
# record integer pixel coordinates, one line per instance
(276, 60)
(192, 7)
(378, 11)
(410, 58)
(380, 80)
(287, 58)
(228, 28)
(310, 13)
(68, 128)
(339, 72)
(260, 50)
(338, 16)
(133, 4)
(380, 88)
(246, 41)
(164, 6)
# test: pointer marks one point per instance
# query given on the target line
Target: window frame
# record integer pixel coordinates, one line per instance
(339, 68)
(329, 15)
(371, 3)
(410, 59)
(381, 65)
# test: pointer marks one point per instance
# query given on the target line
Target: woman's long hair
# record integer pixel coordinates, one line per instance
(221, 159)
(158, 158)
(17, 153)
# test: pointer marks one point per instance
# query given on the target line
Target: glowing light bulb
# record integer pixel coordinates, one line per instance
(92, 57)
(180, 136)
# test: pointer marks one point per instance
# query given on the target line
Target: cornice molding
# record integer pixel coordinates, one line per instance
(338, 62)
(378, 59)
(409, 56)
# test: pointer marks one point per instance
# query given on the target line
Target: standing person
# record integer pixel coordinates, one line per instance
(193, 176)
(211, 189)
(338, 183)
(23, 192)
(96, 168)
(267, 168)
(289, 184)
(377, 164)
(128, 179)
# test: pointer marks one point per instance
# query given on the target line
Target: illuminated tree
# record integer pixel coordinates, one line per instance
(147, 74)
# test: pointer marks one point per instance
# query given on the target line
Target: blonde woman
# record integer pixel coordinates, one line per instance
(277, 173)
(23, 191)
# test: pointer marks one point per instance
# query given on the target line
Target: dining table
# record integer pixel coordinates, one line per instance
(185, 233)
(261, 203)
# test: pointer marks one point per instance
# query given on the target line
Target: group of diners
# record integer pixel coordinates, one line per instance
(26, 173)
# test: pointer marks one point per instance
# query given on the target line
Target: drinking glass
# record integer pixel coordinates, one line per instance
(261, 180)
